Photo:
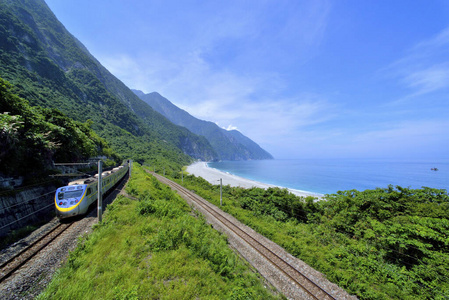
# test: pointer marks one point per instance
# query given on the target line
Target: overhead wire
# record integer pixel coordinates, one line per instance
(33, 213)
(25, 187)
(26, 201)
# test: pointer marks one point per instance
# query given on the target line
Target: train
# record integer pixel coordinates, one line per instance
(74, 199)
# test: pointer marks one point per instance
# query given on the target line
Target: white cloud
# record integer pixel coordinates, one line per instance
(425, 68)
(293, 126)
(415, 133)
(182, 61)
(231, 127)
(245, 90)
(416, 138)
(249, 103)
(431, 46)
(428, 80)
(405, 139)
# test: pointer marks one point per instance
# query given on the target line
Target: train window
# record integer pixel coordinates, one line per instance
(89, 191)
(70, 194)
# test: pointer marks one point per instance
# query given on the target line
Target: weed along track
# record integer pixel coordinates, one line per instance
(281, 269)
(14, 263)
(28, 265)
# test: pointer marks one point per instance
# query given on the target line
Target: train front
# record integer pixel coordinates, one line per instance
(68, 200)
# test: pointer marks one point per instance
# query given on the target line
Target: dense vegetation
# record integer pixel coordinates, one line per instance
(32, 138)
(160, 251)
(378, 244)
(53, 70)
(389, 243)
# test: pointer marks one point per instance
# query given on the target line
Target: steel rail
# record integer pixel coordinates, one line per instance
(17, 261)
(290, 271)
(8, 267)
(28, 247)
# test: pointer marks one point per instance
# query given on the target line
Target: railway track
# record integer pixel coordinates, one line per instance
(26, 274)
(303, 282)
(14, 263)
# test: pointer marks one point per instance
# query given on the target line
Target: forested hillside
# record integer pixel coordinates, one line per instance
(31, 138)
(229, 145)
(52, 69)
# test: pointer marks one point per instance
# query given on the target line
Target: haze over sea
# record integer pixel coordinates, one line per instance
(327, 176)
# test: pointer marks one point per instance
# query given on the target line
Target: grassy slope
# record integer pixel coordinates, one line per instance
(154, 249)
(404, 257)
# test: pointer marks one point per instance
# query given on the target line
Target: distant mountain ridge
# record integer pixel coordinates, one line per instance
(50, 68)
(229, 145)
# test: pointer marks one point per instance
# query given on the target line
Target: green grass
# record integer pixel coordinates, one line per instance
(154, 248)
(377, 244)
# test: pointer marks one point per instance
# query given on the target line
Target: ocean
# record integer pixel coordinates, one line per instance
(327, 176)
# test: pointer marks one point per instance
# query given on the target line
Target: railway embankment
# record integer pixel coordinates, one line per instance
(291, 276)
(151, 244)
(388, 243)
(29, 264)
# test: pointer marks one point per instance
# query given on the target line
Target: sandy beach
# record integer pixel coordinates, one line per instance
(213, 176)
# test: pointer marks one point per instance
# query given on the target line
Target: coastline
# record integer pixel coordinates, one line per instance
(213, 176)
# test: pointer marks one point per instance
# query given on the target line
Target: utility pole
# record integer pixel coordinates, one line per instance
(221, 191)
(182, 176)
(99, 197)
(130, 167)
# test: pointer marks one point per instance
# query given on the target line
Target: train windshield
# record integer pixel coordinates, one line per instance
(70, 194)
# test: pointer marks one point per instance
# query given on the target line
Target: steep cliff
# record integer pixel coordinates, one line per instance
(229, 145)
(51, 68)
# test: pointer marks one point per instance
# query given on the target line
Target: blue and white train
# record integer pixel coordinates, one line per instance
(75, 198)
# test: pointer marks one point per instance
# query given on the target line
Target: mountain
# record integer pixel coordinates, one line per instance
(50, 68)
(229, 145)
(32, 138)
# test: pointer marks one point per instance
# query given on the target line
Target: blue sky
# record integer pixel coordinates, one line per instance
(304, 79)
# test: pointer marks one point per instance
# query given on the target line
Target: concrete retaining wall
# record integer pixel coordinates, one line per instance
(28, 206)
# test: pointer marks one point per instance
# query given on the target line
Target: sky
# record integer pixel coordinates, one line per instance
(303, 79)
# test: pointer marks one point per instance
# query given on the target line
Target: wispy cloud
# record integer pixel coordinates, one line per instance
(432, 46)
(272, 122)
(239, 89)
(233, 101)
(418, 132)
(292, 75)
(229, 69)
(425, 67)
(430, 79)
(409, 138)
(417, 138)
(231, 127)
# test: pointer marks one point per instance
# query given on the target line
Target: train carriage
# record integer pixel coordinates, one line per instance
(75, 198)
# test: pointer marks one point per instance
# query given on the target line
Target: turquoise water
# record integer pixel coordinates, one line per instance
(326, 176)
